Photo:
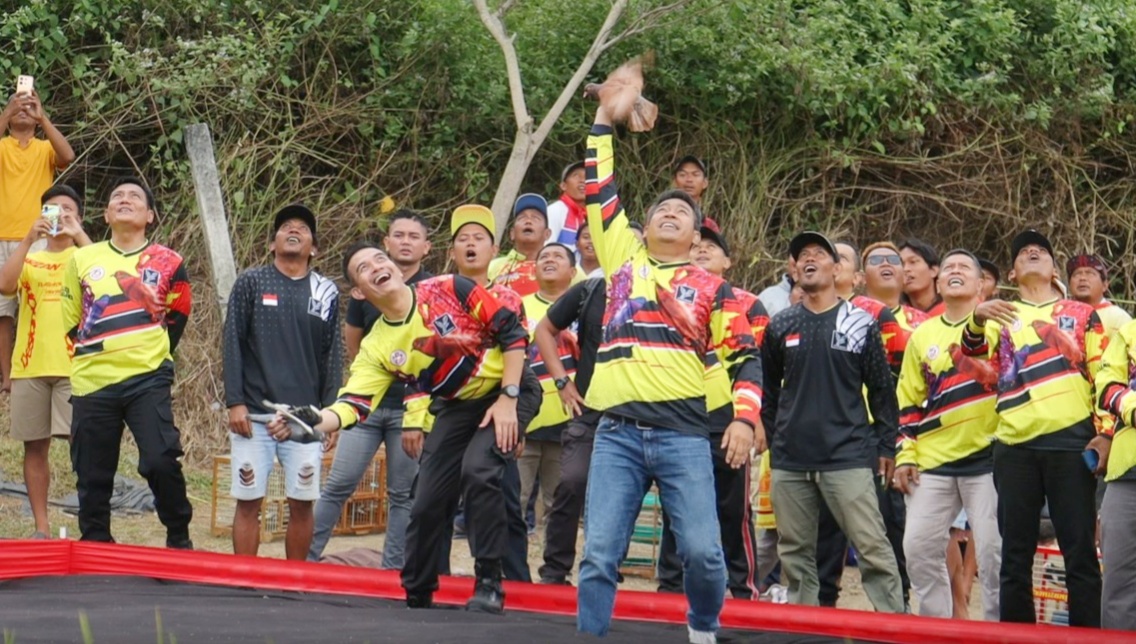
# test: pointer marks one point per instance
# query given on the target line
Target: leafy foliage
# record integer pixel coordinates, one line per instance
(957, 120)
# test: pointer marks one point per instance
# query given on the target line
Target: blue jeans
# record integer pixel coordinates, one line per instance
(625, 459)
(356, 450)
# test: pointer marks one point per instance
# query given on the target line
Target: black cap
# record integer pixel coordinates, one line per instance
(690, 158)
(1027, 238)
(569, 169)
(295, 211)
(711, 232)
(988, 265)
(809, 237)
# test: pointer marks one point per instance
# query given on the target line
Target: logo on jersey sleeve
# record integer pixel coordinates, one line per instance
(1066, 323)
(685, 294)
(150, 277)
(444, 325)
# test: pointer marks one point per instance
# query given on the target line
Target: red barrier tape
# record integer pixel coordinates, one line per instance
(20, 559)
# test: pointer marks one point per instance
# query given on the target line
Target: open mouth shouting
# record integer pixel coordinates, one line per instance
(381, 277)
(809, 269)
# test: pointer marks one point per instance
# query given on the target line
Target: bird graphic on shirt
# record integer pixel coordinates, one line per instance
(92, 311)
(437, 346)
(1057, 339)
(981, 371)
(1010, 360)
(620, 303)
(141, 294)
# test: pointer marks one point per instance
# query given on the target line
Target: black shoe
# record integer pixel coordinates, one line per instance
(554, 581)
(179, 543)
(419, 600)
(488, 596)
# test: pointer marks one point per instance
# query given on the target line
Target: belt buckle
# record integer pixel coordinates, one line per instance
(641, 425)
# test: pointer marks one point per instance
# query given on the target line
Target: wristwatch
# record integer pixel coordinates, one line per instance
(562, 382)
(511, 391)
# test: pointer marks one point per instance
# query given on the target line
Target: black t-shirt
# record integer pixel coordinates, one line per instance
(816, 368)
(362, 315)
(582, 304)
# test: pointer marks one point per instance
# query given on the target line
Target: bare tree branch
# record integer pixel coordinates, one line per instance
(645, 21)
(504, 8)
(496, 27)
(572, 87)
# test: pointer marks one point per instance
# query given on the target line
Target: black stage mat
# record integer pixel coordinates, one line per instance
(126, 609)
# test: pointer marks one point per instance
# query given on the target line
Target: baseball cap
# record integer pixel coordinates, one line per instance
(1086, 261)
(710, 231)
(1027, 238)
(690, 158)
(988, 265)
(810, 237)
(472, 214)
(533, 201)
(295, 211)
(569, 169)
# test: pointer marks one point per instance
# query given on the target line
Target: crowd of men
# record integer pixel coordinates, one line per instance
(894, 400)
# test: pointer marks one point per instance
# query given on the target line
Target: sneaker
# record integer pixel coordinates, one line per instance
(701, 637)
(488, 596)
(419, 600)
(776, 594)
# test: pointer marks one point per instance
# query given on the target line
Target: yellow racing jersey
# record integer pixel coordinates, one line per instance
(552, 417)
(661, 321)
(1046, 362)
(43, 349)
(1115, 383)
(124, 312)
(946, 403)
(450, 345)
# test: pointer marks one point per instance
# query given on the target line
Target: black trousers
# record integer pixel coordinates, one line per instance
(568, 501)
(735, 518)
(461, 460)
(515, 564)
(96, 433)
(1027, 478)
(832, 545)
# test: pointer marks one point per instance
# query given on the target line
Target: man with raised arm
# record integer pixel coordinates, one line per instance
(1047, 350)
(663, 316)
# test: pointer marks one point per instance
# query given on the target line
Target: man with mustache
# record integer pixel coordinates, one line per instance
(1088, 283)
(1047, 350)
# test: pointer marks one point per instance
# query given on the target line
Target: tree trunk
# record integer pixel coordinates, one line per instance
(511, 180)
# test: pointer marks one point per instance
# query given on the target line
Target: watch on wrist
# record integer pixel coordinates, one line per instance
(511, 391)
(562, 382)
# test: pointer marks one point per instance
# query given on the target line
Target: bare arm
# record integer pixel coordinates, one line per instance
(64, 155)
(10, 273)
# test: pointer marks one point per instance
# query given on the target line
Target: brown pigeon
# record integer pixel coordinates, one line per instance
(621, 93)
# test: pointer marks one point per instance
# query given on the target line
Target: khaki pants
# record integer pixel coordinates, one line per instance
(931, 509)
(852, 498)
(541, 457)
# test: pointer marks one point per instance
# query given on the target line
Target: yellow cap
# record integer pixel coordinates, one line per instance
(472, 214)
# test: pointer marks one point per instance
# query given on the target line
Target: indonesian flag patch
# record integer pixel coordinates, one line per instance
(269, 299)
(792, 340)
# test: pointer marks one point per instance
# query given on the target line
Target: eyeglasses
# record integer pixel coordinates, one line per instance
(876, 260)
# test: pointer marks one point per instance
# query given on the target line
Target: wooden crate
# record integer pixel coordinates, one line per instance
(363, 513)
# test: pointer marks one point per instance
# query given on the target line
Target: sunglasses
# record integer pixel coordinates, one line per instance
(876, 260)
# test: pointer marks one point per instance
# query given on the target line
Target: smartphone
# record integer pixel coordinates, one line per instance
(1092, 459)
(51, 212)
(25, 84)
